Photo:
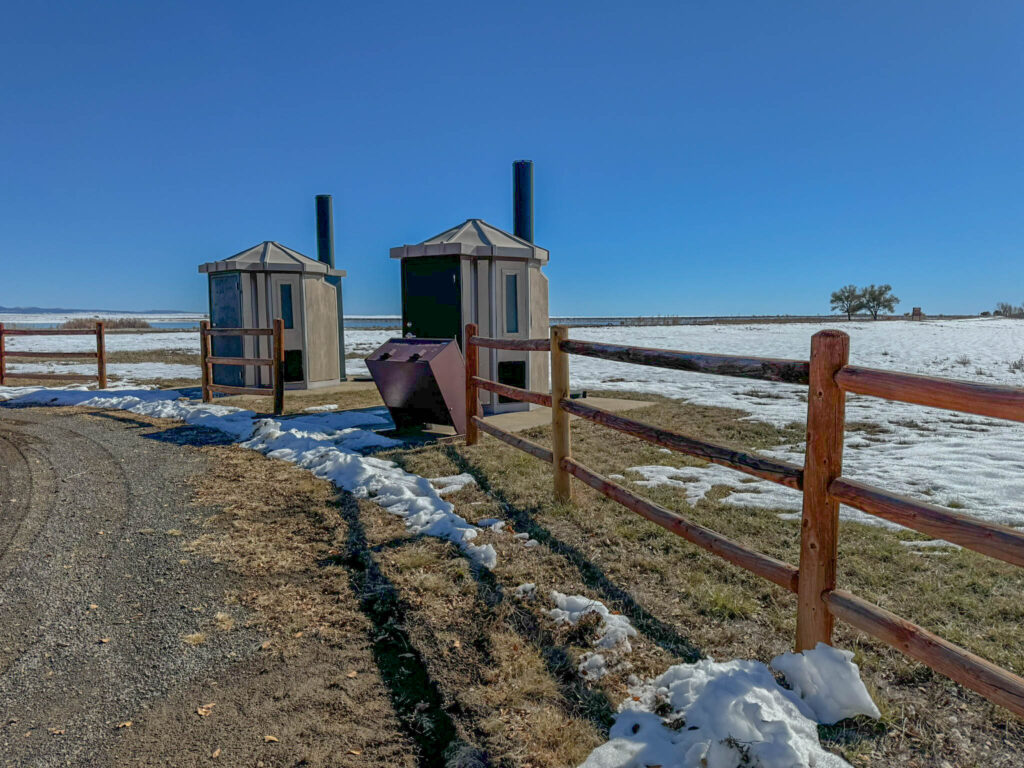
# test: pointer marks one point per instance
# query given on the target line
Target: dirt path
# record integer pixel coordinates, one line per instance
(113, 632)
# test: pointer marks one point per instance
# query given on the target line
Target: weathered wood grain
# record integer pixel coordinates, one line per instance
(998, 541)
(523, 345)
(204, 358)
(994, 683)
(53, 355)
(101, 355)
(561, 439)
(240, 360)
(764, 368)
(515, 441)
(472, 396)
(278, 369)
(993, 400)
(50, 332)
(239, 331)
(823, 463)
(224, 389)
(52, 376)
(506, 390)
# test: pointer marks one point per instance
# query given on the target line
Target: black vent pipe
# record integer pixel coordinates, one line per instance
(325, 230)
(522, 199)
(325, 254)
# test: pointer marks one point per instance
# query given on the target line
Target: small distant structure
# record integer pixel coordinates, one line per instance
(268, 281)
(475, 272)
(916, 314)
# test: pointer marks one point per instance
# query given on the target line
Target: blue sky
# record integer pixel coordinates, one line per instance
(691, 158)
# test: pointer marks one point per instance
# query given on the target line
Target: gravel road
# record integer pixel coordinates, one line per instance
(96, 591)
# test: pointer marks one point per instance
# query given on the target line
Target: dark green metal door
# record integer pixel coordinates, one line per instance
(432, 297)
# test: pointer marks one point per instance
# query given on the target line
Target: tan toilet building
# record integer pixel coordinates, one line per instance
(477, 273)
(269, 281)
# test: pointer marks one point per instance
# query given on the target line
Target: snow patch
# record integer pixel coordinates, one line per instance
(526, 591)
(828, 682)
(452, 483)
(330, 445)
(714, 715)
(614, 629)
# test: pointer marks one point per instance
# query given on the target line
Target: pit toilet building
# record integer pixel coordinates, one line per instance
(477, 273)
(269, 281)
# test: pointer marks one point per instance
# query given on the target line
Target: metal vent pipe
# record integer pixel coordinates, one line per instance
(522, 199)
(325, 230)
(325, 254)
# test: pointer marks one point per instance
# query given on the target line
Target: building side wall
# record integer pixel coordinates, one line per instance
(321, 322)
(540, 376)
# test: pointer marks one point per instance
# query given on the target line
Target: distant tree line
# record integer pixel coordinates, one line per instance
(1008, 310)
(871, 298)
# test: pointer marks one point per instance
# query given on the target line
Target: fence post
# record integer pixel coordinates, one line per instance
(3, 357)
(278, 366)
(472, 397)
(560, 448)
(204, 353)
(101, 356)
(823, 463)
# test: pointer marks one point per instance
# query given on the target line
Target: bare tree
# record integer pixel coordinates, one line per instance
(1008, 310)
(878, 298)
(848, 299)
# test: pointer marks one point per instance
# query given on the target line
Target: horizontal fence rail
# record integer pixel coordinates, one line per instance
(54, 355)
(213, 360)
(780, 472)
(998, 541)
(514, 393)
(828, 377)
(1000, 402)
(994, 683)
(783, 574)
(100, 355)
(764, 368)
(275, 363)
(49, 332)
(239, 331)
(522, 345)
(515, 441)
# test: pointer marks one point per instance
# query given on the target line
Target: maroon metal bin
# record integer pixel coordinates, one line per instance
(422, 381)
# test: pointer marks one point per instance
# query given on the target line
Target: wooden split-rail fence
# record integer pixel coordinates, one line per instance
(828, 377)
(275, 362)
(100, 355)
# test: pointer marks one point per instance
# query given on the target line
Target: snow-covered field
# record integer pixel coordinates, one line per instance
(969, 463)
(966, 462)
